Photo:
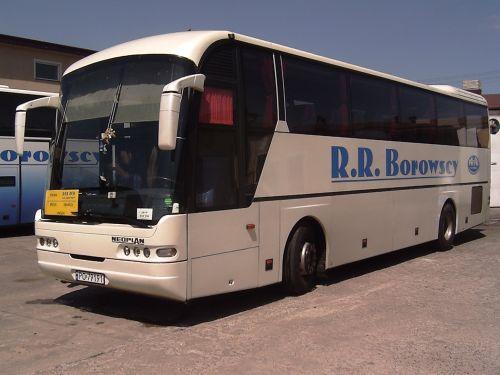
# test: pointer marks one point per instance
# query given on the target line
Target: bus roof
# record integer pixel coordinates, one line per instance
(193, 44)
(26, 92)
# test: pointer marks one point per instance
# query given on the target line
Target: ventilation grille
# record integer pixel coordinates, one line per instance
(221, 64)
(7, 181)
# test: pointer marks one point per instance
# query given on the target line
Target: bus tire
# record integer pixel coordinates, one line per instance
(447, 227)
(301, 261)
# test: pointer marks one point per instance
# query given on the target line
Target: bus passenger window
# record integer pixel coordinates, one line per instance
(260, 114)
(316, 98)
(260, 90)
(41, 122)
(9, 101)
(418, 118)
(450, 122)
(374, 108)
(477, 125)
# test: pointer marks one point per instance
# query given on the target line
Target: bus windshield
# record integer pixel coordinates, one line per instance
(107, 142)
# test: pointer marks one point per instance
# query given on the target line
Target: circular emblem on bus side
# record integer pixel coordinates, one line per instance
(473, 164)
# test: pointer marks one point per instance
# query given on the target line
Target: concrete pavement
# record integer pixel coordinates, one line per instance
(413, 311)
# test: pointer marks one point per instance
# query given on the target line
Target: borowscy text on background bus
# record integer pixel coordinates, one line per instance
(23, 178)
(198, 163)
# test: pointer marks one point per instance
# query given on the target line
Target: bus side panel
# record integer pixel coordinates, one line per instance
(224, 273)
(269, 246)
(362, 226)
(9, 182)
(34, 166)
(416, 216)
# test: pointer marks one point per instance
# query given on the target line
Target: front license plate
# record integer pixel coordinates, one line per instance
(90, 277)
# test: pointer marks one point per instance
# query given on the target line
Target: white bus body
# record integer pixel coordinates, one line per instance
(22, 179)
(279, 205)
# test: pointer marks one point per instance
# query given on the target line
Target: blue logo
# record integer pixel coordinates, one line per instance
(40, 156)
(9, 156)
(473, 164)
(81, 158)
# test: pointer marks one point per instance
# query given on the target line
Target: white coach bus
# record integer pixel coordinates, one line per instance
(218, 162)
(23, 178)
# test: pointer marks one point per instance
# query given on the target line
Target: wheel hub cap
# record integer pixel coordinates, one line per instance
(307, 259)
(449, 228)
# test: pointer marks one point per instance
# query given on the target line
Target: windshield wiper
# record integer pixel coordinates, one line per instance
(105, 219)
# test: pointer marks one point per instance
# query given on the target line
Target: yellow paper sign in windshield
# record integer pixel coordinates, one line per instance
(61, 202)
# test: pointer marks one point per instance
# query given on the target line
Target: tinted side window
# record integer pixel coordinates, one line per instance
(40, 122)
(451, 127)
(477, 125)
(8, 103)
(216, 172)
(374, 108)
(316, 98)
(260, 114)
(417, 116)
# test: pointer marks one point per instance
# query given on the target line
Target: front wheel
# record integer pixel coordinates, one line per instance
(447, 227)
(301, 261)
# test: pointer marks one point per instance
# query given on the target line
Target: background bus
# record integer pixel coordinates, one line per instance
(495, 161)
(23, 179)
(281, 164)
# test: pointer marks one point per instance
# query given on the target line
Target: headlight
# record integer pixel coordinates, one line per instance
(137, 251)
(166, 252)
(126, 250)
(48, 242)
(146, 252)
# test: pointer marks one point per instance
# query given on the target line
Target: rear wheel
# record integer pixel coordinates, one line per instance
(447, 227)
(301, 260)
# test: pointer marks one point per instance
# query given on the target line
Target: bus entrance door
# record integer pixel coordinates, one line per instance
(223, 250)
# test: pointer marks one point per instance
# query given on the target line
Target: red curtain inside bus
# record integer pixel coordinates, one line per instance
(216, 106)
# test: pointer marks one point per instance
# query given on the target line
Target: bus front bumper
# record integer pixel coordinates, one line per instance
(167, 280)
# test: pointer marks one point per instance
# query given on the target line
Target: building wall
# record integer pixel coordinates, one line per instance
(493, 104)
(17, 66)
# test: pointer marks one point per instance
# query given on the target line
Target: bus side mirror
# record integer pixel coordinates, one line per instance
(494, 126)
(170, 106)
(20, 122)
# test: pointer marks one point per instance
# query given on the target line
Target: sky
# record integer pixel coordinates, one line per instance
(430, 41)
